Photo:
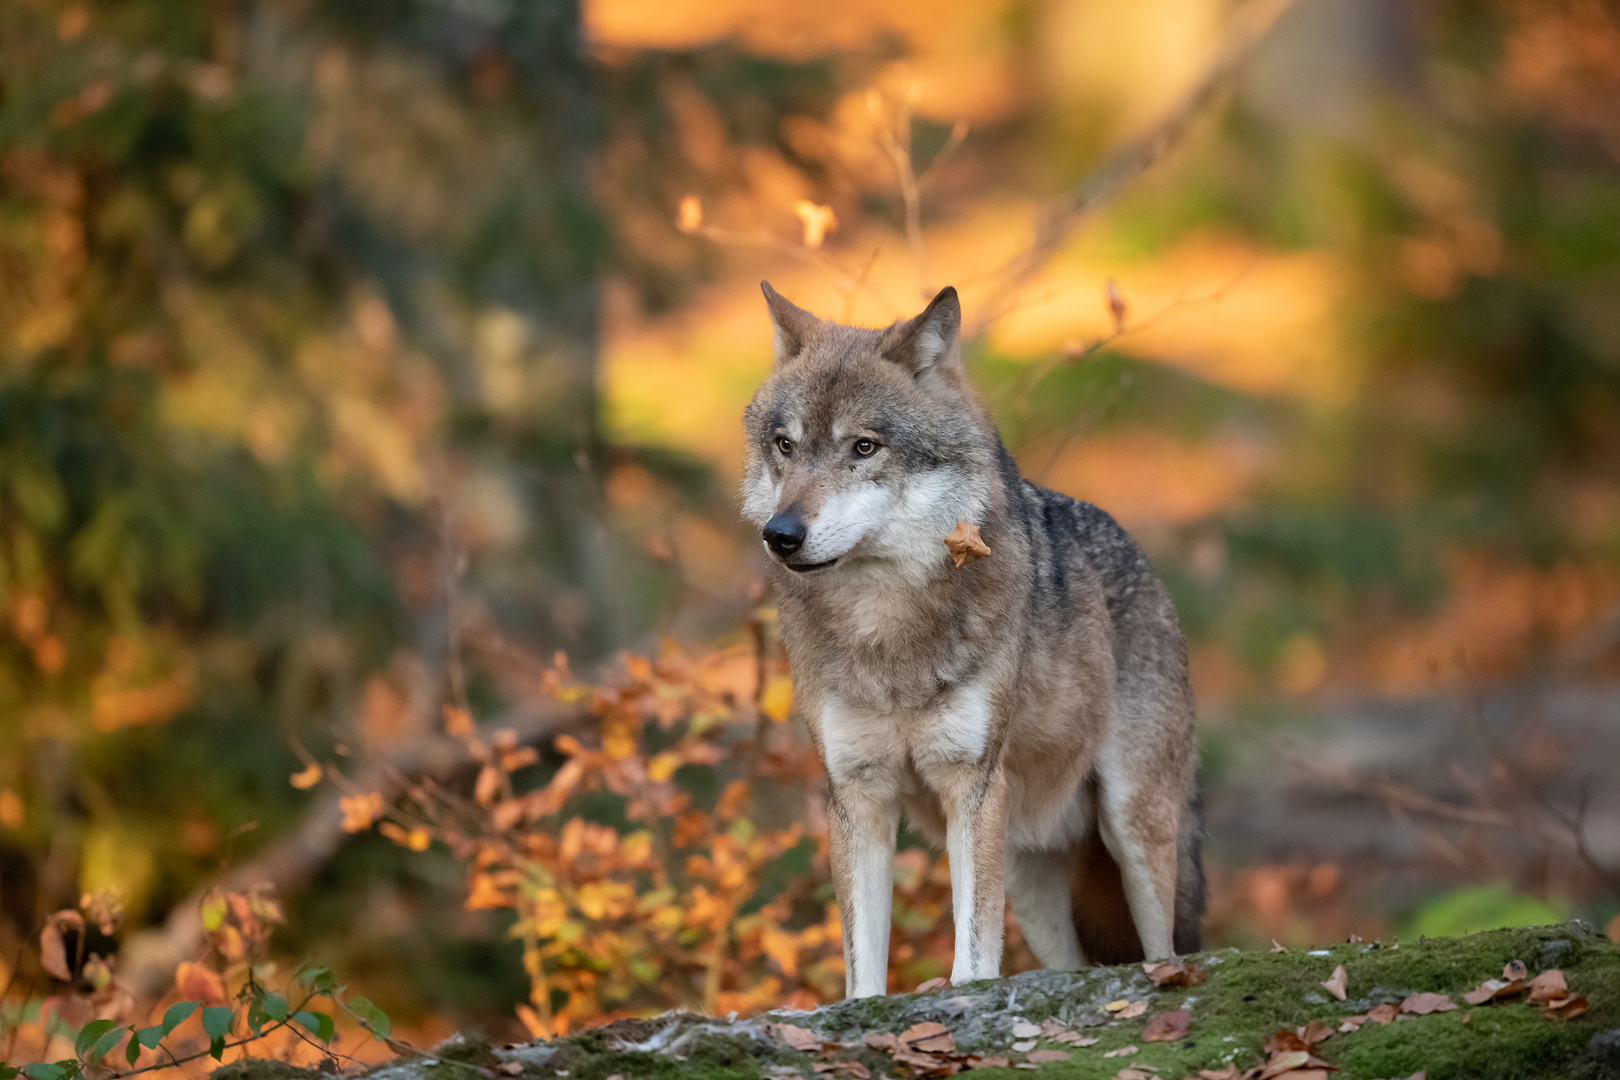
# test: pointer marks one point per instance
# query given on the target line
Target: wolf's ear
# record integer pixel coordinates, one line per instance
(931, 340)
(794, 325)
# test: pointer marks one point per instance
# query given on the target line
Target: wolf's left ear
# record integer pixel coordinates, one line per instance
(930, 341)
(794, 325)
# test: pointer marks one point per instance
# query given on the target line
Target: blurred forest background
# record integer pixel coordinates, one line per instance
(361, 358)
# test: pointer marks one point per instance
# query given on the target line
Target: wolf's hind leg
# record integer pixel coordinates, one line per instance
(1140, 830)
(1038, 886)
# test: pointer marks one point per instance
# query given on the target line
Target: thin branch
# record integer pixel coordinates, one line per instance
(1252, 24)
(896, 142)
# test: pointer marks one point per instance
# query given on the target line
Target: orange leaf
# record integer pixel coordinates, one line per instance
(965, 544)
(1168, 1027)
(1549, 986)
(307, 777)
(52, 946)
(1424, 1004)
(1567, 1008)
(194, 982)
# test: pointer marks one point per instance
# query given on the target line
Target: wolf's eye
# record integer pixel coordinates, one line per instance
(784, 444)
(865, 447)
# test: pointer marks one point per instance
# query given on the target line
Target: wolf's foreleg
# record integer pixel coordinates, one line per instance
(975, 805)
(1040, 887)
(863, 818)
(1139, 819)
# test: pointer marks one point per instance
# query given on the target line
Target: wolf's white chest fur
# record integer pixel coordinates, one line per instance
(954, 731)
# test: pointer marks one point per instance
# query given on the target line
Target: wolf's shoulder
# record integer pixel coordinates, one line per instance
(1074, 530)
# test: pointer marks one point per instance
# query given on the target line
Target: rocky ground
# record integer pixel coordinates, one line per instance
(1554, 1011)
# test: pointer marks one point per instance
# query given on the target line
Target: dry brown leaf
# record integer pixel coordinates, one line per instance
(990, 1062)
(1124, 1051)
(943, 1043)
(53, 946)
(1384, 1014)
(194, 982)
(1168, 1026)
(1315, 1032)
(1352, 1023)
(1175, 974)
(881, 1040)
(1566, 1008)
(797, 1038)
(1426, 1003)
(1303, 1074)
(1074, 1038)
(1549, 986)
(1514, 970)
(1133, 1010)
(1042, 1057)
(927, 1029)
(1133, 1074)
(1286, 1042)
(1229, 1073)
(965, 544)
(1052, 1029)
(1338, 983)
(933, 984)
(1284, 1062)
(1494, 990)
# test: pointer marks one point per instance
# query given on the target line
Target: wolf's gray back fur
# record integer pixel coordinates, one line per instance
(1051, 675)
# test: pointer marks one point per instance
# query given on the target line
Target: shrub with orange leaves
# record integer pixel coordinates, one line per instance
(674, 857)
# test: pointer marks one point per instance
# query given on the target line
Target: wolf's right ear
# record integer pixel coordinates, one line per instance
(930, 341)
(794, 325)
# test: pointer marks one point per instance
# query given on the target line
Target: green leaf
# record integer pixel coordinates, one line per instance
(320, 978)
(373, 1017)
(275, 1006)
(150, 1036)
(177, 1015)
(7, 1072)
(318, 1023)
(43, 1070)
(105, 1044)
(213, 913)
(216, 1021)
(132, 1052)
(90, 1034)
(217, 1048)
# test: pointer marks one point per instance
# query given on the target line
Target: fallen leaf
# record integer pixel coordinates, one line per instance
(1124, 1051)
(1133, 1074)
(1315, 1032)
(1352, 1023)
(964, 543)
(1286, 1042)
(1567, 1008)
(1424, 1004)
(1023, 1046)
(1229, 1073)
(1384, 1014)
(881, 1040)
(1026, 1030)
(1042, 1057)
(1133, 1010)
(1115, 1006)
(927, 1031)
(1074, 1038)
(797, 1038)
(1514, 970)
(1277, 947)
(1284, 1063)
(1338, 983)
(1175, 974)
(1168, 1027)
(1303, 1074)
(509, 1068)
(933, 984)
(1051, 1028)
(1549, 986)
(987, 1063)
(1494, 990)
(943, 1043)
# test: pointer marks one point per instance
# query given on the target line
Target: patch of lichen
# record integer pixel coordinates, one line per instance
(710, 1057)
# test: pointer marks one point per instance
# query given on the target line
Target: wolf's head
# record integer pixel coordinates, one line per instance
(866, 446)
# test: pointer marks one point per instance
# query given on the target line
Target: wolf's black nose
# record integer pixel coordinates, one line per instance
(784, 533)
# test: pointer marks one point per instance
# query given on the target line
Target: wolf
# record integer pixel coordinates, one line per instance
(1030, 711)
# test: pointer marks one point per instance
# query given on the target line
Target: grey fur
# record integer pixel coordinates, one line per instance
(1035, 701)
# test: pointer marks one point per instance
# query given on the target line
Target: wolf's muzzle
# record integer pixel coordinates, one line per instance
(785, 533)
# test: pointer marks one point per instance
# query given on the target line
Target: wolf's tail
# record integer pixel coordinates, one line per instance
(1102, 918)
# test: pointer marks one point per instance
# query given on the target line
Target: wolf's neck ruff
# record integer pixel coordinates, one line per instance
(1030, 711)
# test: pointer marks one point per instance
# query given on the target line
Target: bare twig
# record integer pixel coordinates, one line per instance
(896, 142)
(1251, 25)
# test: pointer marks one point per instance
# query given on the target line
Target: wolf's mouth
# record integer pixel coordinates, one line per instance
(805, 569)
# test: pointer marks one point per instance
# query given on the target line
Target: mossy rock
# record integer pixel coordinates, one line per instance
(1248, 997)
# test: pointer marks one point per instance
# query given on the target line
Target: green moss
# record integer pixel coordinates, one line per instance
(265, 1069)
